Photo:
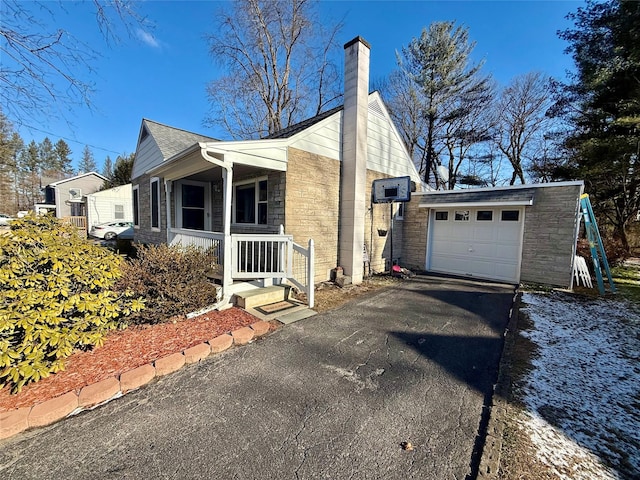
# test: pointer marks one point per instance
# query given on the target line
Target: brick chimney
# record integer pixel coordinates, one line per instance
(353, 204)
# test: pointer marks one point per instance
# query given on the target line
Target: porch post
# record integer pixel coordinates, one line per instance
(227, 181)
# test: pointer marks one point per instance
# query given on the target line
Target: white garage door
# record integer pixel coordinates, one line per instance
(477, 242)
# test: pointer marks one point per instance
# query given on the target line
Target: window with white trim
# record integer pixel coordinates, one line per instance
(250, 202)
(154, 191)
(510, 215)
(192, 205)
(461, 216)
(118, 212)
(136, 206)
(400, 211)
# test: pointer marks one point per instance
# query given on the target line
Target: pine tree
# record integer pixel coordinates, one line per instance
(450, 92)
(10, 145)
(604, 108)
(63, 157)
(87, 163)
(29, 177)
(107, 168)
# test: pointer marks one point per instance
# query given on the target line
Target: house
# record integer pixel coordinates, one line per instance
(298, 204)
(113, 204)
(67, 198)
(310, 181)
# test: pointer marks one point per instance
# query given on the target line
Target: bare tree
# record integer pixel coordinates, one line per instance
(403, 101)
(41, 70)
(522, 120)
(278, 61)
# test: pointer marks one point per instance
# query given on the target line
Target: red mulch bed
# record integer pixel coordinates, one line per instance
(125, 350)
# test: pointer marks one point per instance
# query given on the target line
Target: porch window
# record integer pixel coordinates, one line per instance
(155, 203)
(251, 207)
(136, 203)
(193, 206)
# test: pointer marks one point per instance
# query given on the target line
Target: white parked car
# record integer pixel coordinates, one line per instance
(5, 219)
(109, 231)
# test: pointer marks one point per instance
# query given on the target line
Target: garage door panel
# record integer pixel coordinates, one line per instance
(485, 233)
(488, 249)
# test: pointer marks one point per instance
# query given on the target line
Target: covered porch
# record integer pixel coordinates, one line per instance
(220, 201)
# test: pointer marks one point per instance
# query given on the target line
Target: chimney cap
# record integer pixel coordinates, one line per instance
(356, 40)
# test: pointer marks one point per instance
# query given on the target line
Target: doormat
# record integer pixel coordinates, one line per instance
(276, 307)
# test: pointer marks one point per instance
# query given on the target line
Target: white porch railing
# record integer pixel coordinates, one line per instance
(303, 271)
(208, 241)
(255, 256)
(261, 256)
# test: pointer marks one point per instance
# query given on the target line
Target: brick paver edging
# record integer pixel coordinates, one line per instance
(489, 464)
(91, 396)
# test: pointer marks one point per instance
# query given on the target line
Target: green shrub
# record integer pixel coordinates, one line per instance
(57, 295)
(172, 280)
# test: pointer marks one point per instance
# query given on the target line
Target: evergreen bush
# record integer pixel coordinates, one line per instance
(57, 295)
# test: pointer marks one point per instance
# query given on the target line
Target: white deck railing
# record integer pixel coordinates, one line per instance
(255, 256)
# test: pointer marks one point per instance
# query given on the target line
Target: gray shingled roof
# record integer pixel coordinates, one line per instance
(483, 196)
(298, 127)
(173, 140)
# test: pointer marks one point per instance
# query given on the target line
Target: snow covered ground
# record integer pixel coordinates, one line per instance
(582, 397)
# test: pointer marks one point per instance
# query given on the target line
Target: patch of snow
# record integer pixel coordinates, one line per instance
(583, 394)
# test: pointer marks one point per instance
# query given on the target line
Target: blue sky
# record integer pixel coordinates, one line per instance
(162, 75)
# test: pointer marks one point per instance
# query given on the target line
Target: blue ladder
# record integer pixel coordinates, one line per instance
(595, 244)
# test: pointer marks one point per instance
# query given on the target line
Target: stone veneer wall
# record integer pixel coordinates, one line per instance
(312, 206)
(144, 234)
(549, 235)
(312, 210)
(414, 248)
(379, 217)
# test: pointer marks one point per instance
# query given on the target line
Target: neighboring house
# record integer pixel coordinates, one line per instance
(67, 198)
(248, 200)
(113, 204)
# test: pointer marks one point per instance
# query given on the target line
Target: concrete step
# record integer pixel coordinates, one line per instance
(291, 317)
(261, 296)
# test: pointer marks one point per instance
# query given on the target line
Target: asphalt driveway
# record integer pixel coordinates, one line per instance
(333, 396)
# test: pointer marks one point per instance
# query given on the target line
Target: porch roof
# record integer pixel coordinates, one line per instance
(266, 154)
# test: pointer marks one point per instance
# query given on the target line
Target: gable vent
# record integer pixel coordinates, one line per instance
(375, 107)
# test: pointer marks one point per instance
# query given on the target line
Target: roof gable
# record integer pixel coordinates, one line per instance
(77, 177)
(170, 140)
(303, 125)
